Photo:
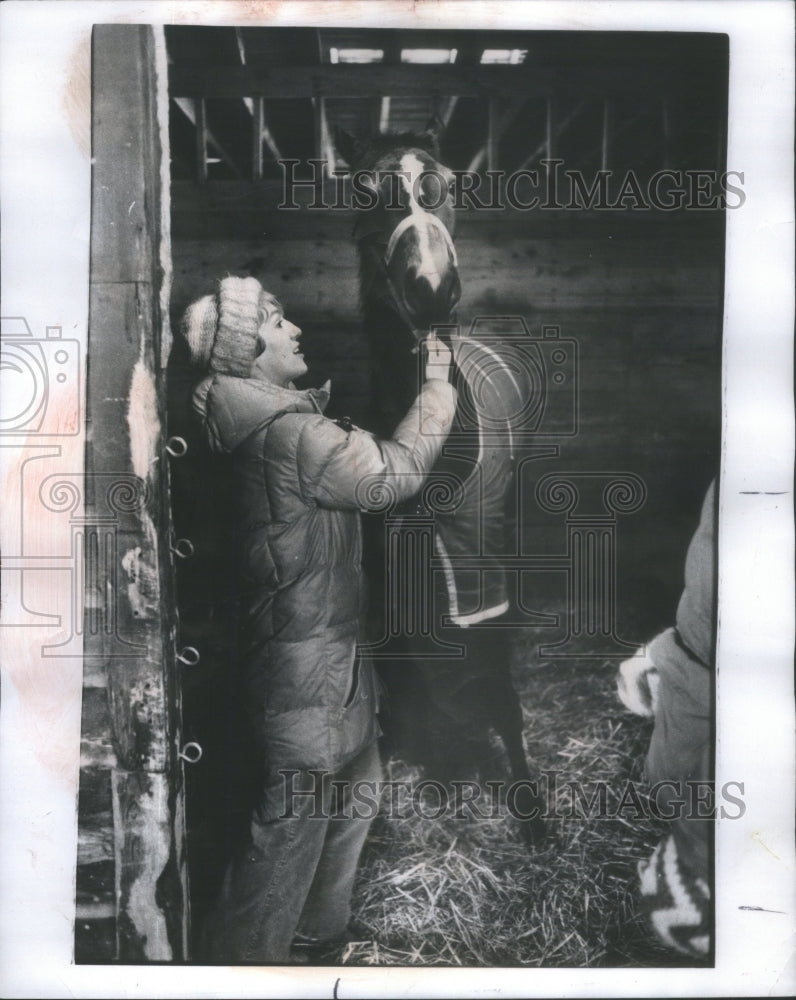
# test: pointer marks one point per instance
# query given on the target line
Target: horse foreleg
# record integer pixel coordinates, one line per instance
(524, 799)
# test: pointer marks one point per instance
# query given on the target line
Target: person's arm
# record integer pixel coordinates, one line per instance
(352, 469)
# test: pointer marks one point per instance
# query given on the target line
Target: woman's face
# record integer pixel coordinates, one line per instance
(282, 360)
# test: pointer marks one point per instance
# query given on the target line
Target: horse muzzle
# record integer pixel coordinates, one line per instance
(432, 298)
(421, 265)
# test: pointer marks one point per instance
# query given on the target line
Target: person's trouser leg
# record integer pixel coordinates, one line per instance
(327, 909)
(266, 886)
(676, 881)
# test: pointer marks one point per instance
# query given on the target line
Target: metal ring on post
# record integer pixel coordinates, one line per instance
(177, 446)
(183, 548)
(191, 753)
(189, 655)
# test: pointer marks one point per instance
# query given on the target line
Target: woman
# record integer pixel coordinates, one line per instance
(300, 481)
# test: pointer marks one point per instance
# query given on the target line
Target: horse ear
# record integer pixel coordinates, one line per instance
(435, 129)
(347, 145)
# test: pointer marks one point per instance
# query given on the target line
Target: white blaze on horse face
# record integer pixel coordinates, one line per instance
(412, 170)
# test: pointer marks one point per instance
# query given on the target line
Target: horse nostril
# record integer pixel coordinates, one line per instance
(453, 289)
(431, 302)
(418, 293)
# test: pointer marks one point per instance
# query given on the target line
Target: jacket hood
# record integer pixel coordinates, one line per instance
(231, 409)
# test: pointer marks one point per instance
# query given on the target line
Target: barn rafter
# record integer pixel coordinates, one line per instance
(504, 98)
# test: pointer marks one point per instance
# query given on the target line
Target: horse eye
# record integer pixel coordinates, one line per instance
(433, 191)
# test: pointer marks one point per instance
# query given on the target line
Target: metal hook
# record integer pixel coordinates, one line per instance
(183, 548)
(189, 655)
(191, 753)
(176, 447)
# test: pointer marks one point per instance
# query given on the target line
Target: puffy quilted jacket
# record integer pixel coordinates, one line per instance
(300, 481)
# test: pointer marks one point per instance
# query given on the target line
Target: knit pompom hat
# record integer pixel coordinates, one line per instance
(221, 330)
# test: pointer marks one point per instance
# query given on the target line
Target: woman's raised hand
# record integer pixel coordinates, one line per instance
(438, 358)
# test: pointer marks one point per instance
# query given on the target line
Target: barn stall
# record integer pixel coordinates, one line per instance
(634, 290)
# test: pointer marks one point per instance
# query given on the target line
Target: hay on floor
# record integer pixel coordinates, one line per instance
(463, 890)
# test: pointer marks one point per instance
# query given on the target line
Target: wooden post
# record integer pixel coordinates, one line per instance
(127, 468)
(492, 136)
(546, 146)
(257, 138)
(498, 127)
(268, 138)
(605, 135)
(317, 144)
(328, 153)
(447, 109)
(549, 112)
(375, 104)
(188, 106)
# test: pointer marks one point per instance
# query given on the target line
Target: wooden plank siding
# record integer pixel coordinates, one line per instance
(318, 277)
(243, 210)
(131, 873)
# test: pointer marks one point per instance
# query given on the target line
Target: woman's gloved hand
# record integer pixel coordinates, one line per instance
(438, 358)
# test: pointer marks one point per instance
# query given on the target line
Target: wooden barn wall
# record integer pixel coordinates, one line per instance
(131, 882)
(640, 293)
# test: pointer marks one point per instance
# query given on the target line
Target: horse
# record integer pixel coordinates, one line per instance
(441, 708)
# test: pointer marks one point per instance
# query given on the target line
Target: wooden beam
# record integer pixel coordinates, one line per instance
(548, 138)
(380, 117)
(378, 80)
(328, 152)
(262, 134)
(606, 134)
(612, 133)
(492, 138)
(324, 143)
(342, 80)
(188, 108)
(241, 46)
(447, 107)
(499, 127)
(269, 140)
(255, 109)
(547, 145)
(257, 138)
(317, 131)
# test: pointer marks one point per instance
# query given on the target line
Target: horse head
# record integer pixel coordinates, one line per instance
(404, 227)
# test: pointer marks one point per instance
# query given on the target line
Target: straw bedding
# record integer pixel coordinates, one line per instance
(459, 891)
